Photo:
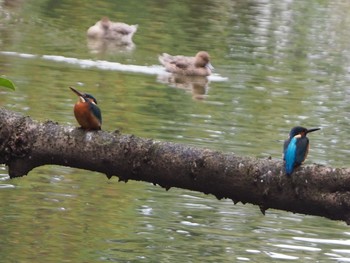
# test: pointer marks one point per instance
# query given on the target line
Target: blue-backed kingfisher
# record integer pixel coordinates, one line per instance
(86, 111)
(296, 148)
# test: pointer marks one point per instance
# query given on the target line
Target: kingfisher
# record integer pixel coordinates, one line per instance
(296, 148)
(87, 112)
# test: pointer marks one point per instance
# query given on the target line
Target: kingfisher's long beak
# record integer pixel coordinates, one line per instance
(81, 95)
(77, 92)
(312, 130)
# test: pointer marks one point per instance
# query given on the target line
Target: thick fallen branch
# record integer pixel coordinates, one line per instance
(313, 190)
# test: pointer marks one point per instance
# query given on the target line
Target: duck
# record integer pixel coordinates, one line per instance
(114, 31)
(198, 65)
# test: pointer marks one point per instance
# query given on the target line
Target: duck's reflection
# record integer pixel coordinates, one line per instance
(198, 86)
(101, 45)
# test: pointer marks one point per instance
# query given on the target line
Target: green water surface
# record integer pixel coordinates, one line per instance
(286, 63)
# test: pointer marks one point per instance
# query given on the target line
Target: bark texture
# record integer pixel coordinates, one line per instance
(313, 190)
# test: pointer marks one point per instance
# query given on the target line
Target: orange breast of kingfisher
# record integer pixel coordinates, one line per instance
(85, 117)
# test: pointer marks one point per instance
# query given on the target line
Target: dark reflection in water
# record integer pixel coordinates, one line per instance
(286, 64)
(108, 46)
(195, 85)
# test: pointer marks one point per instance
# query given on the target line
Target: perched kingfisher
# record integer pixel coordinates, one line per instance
(86, 111)
(296, 148)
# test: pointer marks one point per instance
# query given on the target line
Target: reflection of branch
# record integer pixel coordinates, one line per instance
(314, 190)
(197, 85)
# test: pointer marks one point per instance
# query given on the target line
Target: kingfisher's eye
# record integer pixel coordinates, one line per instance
(92, 101)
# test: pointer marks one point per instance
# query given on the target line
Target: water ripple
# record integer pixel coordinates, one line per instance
(298, 247)
(4, 177)
(324, 241)
(6, 186)
(280, 256)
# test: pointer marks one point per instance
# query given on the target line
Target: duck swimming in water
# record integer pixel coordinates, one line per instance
(189, 66)
(114, 31)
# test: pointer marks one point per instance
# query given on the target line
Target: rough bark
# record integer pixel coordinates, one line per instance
(313, 190)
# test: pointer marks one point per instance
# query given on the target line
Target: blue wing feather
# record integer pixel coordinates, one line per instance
(295, 152)
(290, 155)
(96, 112)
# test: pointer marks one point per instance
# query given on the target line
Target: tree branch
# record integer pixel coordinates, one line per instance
(313, 190)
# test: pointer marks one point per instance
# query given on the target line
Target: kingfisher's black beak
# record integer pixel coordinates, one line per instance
(312, 130)
(77, 92)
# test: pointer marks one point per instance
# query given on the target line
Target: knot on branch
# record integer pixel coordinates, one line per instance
(5, 151)
(20, 143)
(195, 167)
(16, 138)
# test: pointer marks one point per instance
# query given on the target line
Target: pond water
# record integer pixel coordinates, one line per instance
(277, 63)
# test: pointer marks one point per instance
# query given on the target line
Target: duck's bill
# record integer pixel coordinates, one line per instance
(210, 66)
